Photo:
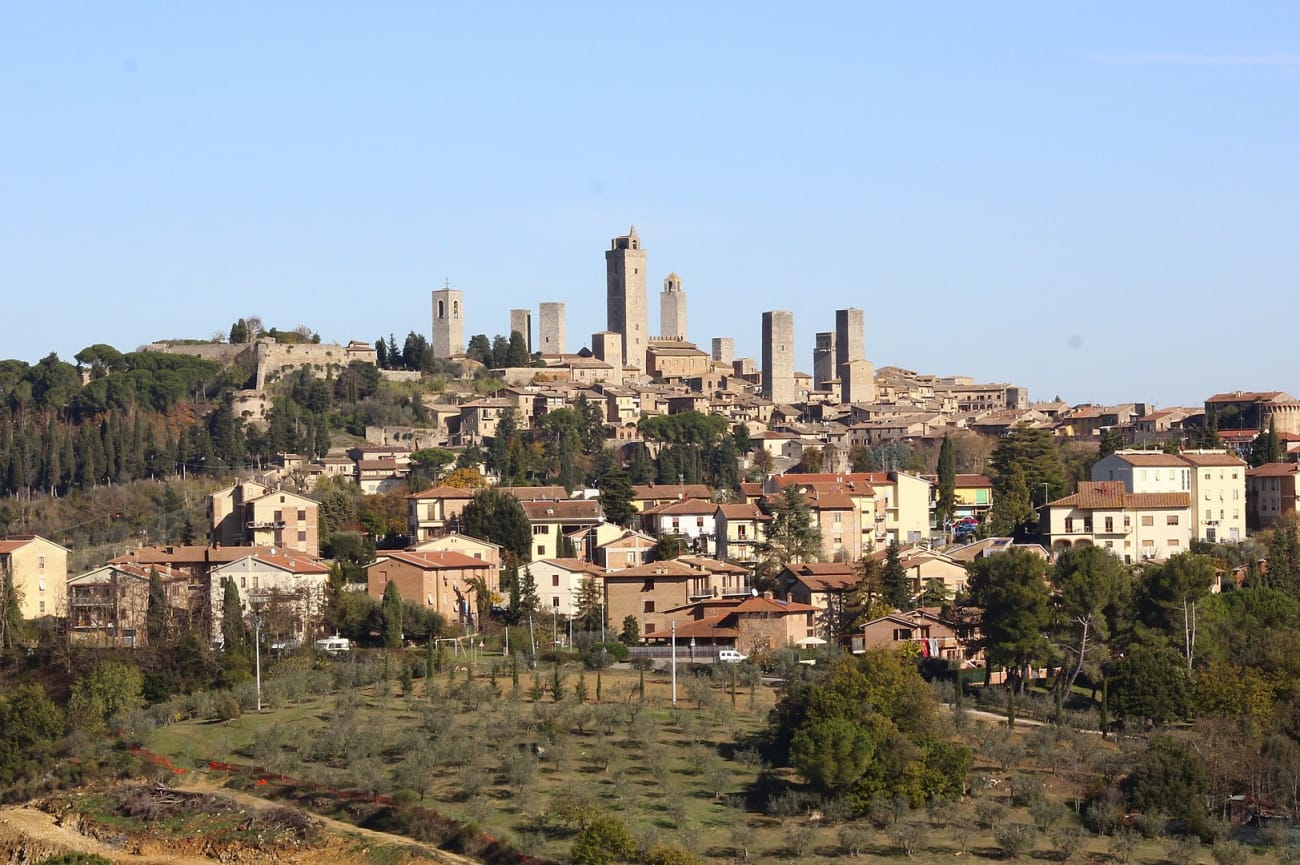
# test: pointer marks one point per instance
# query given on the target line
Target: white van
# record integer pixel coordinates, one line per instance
(731, 656)
(333, 645)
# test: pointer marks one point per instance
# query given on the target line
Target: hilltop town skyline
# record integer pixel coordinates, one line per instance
(1073, 199)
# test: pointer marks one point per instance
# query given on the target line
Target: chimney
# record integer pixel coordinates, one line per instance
(767, 595)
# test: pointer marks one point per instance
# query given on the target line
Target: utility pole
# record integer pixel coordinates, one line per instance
(674, 638)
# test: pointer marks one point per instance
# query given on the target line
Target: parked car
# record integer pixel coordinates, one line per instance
(731, 656)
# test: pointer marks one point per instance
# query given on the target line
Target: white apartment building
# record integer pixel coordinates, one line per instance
(1215, 480)
(1136, 527)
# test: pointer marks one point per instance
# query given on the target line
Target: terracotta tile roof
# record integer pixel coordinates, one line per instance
(629, 539)
(560, 511)
(670, 568)
(1161, 460)
(536, 494)
(9, 543)
(642, 492)
(189, 555)
(1212, 459)
(294, 564)
(771, 605)
(574, 565)
(830, 501)
(713, 566)
(1249, 396)
(1110, 494)
(742, 512)
(830, 582)
(1273, 470)
(433, 560)
(689, 507)
(823, 569)
(442, 492)
(710, 627)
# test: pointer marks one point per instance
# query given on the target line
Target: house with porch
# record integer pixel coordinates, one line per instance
(286, 589)
(108, 606)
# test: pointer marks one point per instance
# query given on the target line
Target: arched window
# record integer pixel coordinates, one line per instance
(455, 309)
(442, 311)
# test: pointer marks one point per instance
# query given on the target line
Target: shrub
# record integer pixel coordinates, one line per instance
(1015, 838)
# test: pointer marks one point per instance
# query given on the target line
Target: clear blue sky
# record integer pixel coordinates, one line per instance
(1098, 200)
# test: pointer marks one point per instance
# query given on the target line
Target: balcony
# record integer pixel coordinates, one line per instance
(264, 524)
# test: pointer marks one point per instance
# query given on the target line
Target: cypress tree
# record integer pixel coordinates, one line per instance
(947, 504)
(391, 609)
(156, 616)
(232, 618)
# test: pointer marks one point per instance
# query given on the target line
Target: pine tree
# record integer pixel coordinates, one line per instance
(591, 606)
(616, 497)
(867, 599)
(898, 589)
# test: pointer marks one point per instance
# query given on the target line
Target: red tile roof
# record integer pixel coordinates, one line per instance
(1273, 470)
(560, 511)
(443, 492)
(434, 560)
(1110, 494)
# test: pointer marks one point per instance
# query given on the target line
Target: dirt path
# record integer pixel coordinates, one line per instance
(37, 831)
(37, 835)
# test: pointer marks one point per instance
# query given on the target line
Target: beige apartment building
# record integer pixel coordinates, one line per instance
(1271, 490)
(1215, 480)
(1218, 495)
(38, 568)
(250, 514)
(435, 511)
(1136, 527)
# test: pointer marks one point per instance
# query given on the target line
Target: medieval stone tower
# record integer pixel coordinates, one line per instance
(855, 374)
(672, 309)
(824, 360)
(778, 356)
(550, 330)
(521, 322)
(625, 296)
(448, 323)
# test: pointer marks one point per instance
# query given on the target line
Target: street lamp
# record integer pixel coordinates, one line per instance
(257, 653)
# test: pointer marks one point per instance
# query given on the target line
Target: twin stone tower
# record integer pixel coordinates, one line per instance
(839, 361)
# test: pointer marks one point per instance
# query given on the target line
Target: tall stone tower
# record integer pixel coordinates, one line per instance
(672, 309)
(448, 323)
(550, 328)
(521, 322)
(857, 377)
(778, 356)
(824, 360)
(724, 349)
(850, 337)
(625, 296)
